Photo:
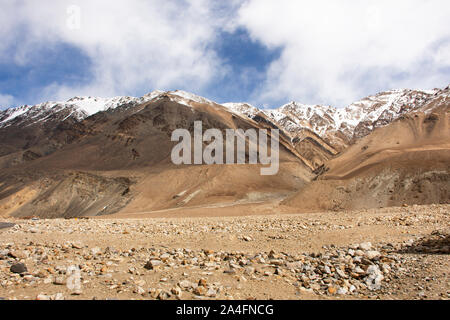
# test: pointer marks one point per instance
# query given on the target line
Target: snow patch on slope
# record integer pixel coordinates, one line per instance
(241, 108)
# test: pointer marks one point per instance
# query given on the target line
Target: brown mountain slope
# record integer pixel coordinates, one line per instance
(121, 158)
(313, 147)
(407, 162)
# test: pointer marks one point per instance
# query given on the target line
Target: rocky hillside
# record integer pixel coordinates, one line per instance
(114, 154)
(406, 162)
(121, 156)
(338, 128)
(342, 127)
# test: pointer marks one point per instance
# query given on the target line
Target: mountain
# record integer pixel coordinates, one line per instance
(93, 156)
(405, 162)
(119, 159)
(342, 127)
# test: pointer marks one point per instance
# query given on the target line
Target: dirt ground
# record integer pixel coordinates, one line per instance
(390, 253)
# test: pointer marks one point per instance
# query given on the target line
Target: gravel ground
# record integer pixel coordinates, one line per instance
(391, 253)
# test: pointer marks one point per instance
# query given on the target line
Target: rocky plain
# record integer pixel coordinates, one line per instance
(388, 253)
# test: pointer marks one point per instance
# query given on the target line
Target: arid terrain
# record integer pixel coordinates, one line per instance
(92, 207)
(391, 253)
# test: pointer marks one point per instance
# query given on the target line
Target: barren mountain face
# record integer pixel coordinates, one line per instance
(99, 164)
(93, 156)
(341, 127)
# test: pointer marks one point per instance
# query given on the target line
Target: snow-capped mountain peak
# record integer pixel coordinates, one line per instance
(337, 126)
(242, 108)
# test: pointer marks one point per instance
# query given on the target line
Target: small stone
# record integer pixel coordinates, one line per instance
(332, 290)
(164, 295)
(153, 264)
(249, 270)
(58, 297)
(365, 246)
(341, 273)
(202, 282)
(342, 291)
(42, 297)
(95, 251)
(77, 245)
(154, 293)
(77, 292)
(279, 272)
(327, 270)
(359, 270)
(48, 280)
(375, 276)
(211, 293)
(29, 277)
(176, 291)
(276, 262)
(185, 284)
(372, 254)
(60, 281)
(231, 271)
(139, 290)
(18, 254)
(165, 256)
(359, 253)
(18, 268)
(200, 291)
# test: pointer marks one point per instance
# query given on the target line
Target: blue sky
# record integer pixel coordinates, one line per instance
(61, 63)
(264, 52)
(246, 63)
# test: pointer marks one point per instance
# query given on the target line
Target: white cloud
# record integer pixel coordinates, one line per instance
(336, 52)
(333, 52)
(6, 100)
(133, 45)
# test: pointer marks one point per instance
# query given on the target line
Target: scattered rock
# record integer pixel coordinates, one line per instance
(18, 268)
(60, 281)
(42, 297)
(372, 254)
(200, 291)
(365, 246)
(153, 264)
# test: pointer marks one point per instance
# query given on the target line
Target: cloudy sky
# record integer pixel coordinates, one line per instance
(266, 52)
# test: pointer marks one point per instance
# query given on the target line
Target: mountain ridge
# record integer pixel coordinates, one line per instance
(353, 121)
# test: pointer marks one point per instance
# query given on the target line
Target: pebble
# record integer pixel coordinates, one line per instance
(200, 291)
(342, 291)
(365, 246)
(18, 268)
(153, 264)
(185, 284)
(42, 297)
(372, 254)
(60, 281)
(363, 268)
